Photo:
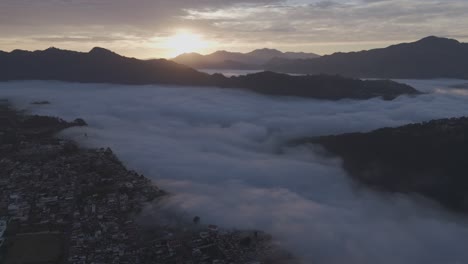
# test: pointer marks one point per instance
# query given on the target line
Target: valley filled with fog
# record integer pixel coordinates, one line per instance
(224, 156)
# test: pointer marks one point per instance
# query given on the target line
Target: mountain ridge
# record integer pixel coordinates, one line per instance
(223, 59)
(428, 58)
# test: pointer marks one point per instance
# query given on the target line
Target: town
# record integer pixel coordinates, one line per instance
(60, 203)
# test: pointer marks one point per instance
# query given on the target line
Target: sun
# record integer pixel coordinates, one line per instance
(185, 42)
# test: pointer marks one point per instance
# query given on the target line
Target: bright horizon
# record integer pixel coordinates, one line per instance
(153, 29)
(203, 47)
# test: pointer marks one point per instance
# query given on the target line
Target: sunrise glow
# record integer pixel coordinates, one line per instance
(185, 42)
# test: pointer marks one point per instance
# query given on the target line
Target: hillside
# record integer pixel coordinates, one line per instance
(427, 158)
(99, 65)
(431, 57)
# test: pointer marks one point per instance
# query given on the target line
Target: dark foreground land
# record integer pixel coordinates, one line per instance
(428, 159)
(103, 66)
(64, 204)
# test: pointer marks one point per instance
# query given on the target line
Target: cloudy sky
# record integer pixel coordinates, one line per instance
(152, 28)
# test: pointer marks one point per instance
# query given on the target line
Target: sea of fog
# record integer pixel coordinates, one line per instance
(222, 153)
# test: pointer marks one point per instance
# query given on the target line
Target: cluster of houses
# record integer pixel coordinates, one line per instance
(103, 230)
(90, 199)
(86, 204)
(209, 244)
(86, 196)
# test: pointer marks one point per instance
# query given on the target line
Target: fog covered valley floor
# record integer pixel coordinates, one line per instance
(223, 154)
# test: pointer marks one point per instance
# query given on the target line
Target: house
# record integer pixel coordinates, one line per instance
(213, 228)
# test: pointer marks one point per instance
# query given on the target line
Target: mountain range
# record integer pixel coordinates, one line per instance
(428, 58)
(254, 60)
(104, 66)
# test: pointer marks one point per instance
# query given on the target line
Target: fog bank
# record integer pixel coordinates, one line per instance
(222, 153)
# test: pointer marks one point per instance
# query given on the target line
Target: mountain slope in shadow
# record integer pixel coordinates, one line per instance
(427, 158)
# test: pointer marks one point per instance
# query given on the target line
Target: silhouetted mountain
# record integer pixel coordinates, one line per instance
(236, 60)
(99, 65)
(427, 158)
(104, 66)
(431, 57)
(316, 86)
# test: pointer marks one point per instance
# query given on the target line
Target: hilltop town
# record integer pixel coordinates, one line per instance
(60, 203)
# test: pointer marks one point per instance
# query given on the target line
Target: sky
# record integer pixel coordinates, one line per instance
(165, 28)
(224, 156)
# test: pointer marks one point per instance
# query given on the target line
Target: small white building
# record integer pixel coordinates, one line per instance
(213, 228)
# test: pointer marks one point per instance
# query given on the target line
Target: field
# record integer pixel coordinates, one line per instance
(35, 248)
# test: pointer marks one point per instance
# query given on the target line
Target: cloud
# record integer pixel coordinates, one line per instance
(328, 21)
(222, 153)
(239, 25)
(32, 24)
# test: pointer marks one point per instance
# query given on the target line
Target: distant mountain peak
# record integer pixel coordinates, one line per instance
(223, 52)
(435, 40)
(190, 54)
(101, 51)
(51, 49)
(266, 50)
(19, 51)
(186, 58)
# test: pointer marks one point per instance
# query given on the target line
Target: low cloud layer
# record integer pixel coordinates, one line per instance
(222, 153)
